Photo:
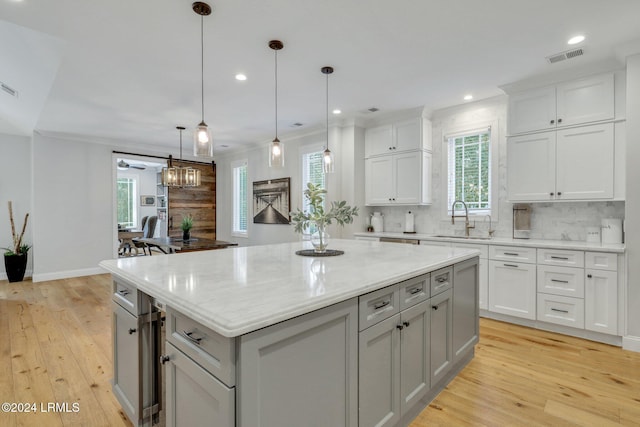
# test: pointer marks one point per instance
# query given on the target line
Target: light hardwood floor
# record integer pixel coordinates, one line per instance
(55, 346)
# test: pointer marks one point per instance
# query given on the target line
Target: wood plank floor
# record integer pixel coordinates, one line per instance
(55, 346)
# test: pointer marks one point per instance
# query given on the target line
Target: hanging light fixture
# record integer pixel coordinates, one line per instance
(276, 148)
(203, 143)
(180, 176)
(328, 163)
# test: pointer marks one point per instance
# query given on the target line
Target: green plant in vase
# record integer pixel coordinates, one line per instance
(186, 225)
(15, 257)
(339, 212)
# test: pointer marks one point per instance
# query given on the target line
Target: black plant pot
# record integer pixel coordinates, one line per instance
(186, 235)
(15, 266)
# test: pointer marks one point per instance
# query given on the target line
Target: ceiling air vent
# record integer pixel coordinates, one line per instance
(565, 55)
(9, 90)
(373, 109)
(296, 125)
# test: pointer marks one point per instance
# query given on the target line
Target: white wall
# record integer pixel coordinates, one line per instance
(632, 223)
(147, 186)
(549, 220)
(15, 186)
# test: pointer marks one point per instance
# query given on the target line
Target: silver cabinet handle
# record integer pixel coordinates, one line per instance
(379, 305)
(511, 265)
(164, 359)
(124, 292)
(415, 291)
(188, 336)
(564, 258)
(559, 281)
(511, 253)
(560, 311)
(441, 279)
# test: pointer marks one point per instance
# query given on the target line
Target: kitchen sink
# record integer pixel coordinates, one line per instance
(451, 236)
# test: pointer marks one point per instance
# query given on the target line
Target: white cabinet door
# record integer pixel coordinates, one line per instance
(378, 180)
(601, 301)
(586, 100)
(407, 177)
(407, 135)
(532, 110)
(584, 162)
(512, 289)
(378, 140)
(531, 167)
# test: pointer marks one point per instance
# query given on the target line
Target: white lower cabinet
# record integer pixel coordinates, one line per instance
(512, 288)
(601, 301)
(194, 395)
(561, 310)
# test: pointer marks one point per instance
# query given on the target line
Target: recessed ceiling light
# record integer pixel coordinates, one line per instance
(468, 97)
(576, 40)
(336, 111)
(241, 77)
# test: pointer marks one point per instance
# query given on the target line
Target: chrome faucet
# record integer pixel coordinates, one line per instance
(467, 226)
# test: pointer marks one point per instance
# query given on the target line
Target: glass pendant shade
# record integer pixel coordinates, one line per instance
(202, 143)
(328, 163)
(170, 177)
(276, 154)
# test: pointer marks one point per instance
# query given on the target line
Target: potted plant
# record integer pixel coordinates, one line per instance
(15, 257)
(186, 225)
(339, 211)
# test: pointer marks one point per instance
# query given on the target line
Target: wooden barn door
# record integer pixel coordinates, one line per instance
(200, 202)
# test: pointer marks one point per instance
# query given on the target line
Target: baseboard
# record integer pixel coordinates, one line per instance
(67, 274)
(631, 343)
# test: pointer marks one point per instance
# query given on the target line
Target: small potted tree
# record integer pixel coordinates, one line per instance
(339, 211)
(186, 225)
(15, 257)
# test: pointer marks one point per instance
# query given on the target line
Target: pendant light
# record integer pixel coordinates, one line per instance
(276, 148)
(180, 176)
(203, 143)
(328, 163)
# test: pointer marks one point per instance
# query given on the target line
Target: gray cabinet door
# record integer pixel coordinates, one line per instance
(126, 362)
(414, 354)
(379, 368)
(194, 396)
(303, 371)
(441, 335)
(465, 307)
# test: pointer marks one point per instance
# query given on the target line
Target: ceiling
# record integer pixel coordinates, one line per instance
(130, 70)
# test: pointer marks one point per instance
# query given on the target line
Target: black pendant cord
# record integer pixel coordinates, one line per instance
(276, 97)
(201, 64)
(327, 75)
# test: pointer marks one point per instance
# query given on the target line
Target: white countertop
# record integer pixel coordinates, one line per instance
(538, 243)
(238, 290)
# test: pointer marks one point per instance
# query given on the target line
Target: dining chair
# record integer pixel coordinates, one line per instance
(148, 230)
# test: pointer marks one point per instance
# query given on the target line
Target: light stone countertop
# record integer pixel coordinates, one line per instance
(238, 290)
(537, 243)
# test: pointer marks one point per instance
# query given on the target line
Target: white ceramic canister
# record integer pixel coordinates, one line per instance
(377, 222)
(611, 231)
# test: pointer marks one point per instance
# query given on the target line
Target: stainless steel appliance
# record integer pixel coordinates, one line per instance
(398, 240)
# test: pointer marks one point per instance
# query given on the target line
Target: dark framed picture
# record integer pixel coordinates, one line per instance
(147, 200)
(271, 201)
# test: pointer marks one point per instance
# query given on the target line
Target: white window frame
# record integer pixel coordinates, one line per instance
(235, 199)
(305, 151)
(494, 187)
(136, 192)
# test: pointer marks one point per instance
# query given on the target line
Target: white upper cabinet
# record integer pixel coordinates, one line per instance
(531, 167)
(573, 103)
(406, 135)
(402, 178)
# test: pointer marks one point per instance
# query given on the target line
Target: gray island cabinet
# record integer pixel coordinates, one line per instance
(258, 336)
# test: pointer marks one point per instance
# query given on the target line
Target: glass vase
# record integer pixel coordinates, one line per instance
(320, 240)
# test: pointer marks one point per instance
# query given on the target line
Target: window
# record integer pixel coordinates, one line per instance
(469, 171)
(127, 206)
(239, 170)
(311, 172)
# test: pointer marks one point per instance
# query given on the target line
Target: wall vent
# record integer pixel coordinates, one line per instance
(9, 89)
(565, 55)
(296, 125)
(373, 109)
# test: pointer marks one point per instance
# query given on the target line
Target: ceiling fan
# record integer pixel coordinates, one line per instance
(122, 165)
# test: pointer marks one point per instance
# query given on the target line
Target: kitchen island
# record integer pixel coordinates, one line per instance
(259, 336)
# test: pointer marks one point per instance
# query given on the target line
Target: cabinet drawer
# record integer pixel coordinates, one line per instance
(601, 261)
(565, 281)
(561, 257)
(128, 297)
(414, 290)
(209, 349)
(441, 280)
(378, 305)
(561, 310)
(484, 249)
(513, 253)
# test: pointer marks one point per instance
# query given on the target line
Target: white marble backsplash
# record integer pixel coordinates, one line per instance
(549, 221)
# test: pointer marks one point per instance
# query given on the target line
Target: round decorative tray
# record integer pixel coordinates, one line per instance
(311, 252)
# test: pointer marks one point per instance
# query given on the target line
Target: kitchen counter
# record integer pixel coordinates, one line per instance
(505, 241)
(239, 290)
